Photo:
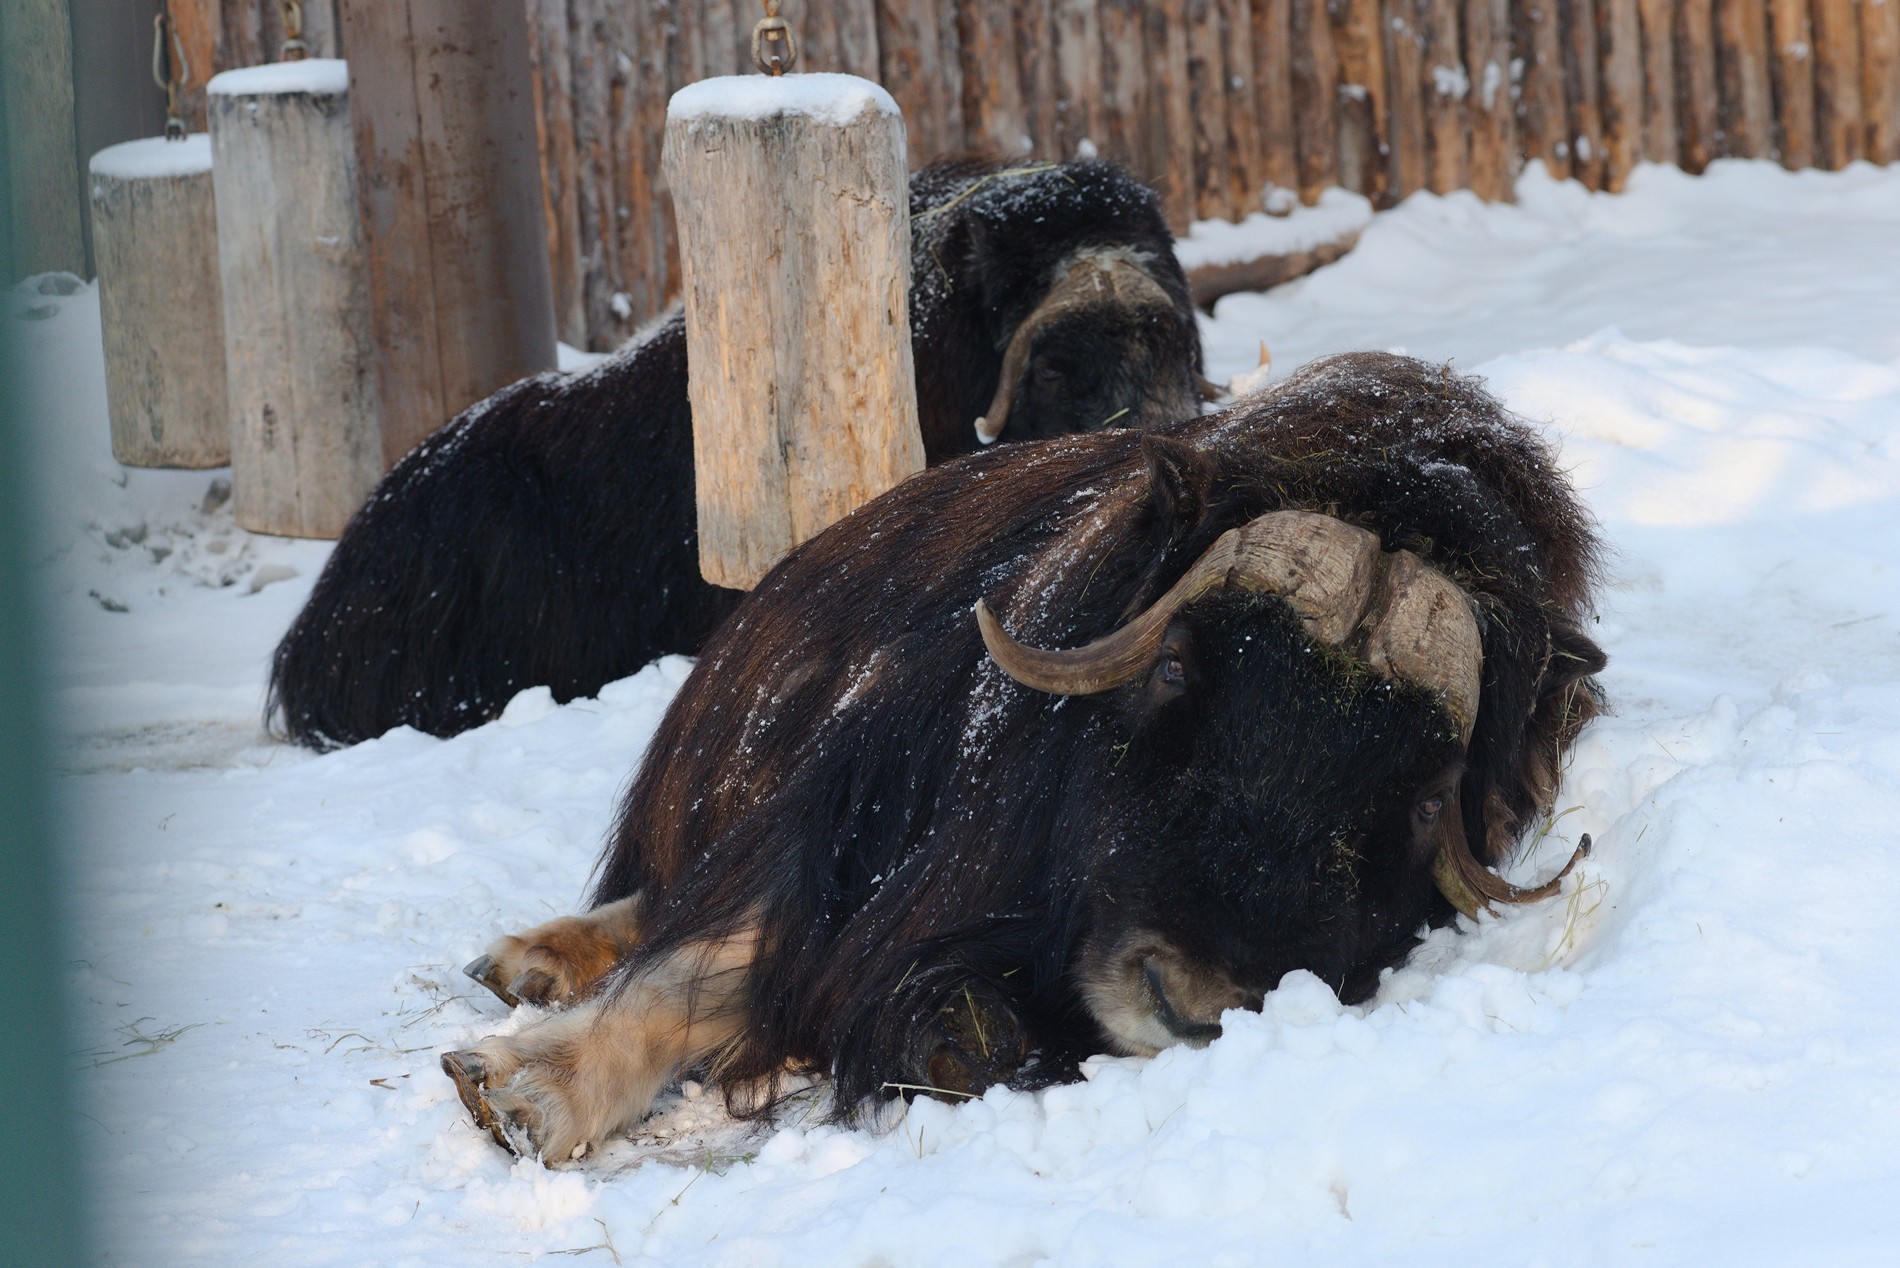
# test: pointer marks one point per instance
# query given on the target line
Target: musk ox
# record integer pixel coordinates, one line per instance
(1070, 749)
(547, 536)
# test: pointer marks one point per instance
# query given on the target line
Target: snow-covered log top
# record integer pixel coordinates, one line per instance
(1216, 242)
(825, 97)
(321, 75)
(154, 158)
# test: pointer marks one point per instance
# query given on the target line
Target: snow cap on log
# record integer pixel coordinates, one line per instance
(793, 212)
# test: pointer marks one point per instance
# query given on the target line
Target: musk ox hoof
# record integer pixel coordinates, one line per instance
(561, 961)
(974, 1043)
(467, 1071)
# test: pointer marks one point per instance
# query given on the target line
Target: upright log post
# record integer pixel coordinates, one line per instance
(443, 109)
(155, 237)
(299, 356)
(795, 239)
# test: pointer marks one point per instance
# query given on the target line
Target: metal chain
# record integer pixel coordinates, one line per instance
(772, 29)
(171, 83)
(293, 49)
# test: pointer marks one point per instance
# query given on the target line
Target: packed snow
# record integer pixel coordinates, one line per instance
(1689, 1057)
(324, 76)
(826, 97)
(154, 158)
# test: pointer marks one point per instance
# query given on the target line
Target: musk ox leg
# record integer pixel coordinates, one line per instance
(973, 1043)
(562, 960)
(571, 1081)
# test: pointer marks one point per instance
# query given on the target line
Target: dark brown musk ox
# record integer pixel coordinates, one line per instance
(1325, 654)
(547, 536)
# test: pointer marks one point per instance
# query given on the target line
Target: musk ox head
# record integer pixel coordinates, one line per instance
(1062, 280)
(1286, 730)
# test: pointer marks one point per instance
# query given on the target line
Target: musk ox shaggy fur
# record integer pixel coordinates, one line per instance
(1069, 749)
(547, 535)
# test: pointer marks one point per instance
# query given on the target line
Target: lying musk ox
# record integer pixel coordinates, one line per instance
(1325, 655)
(547, 536)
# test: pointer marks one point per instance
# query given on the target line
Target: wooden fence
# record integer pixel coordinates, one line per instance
(1209, 100)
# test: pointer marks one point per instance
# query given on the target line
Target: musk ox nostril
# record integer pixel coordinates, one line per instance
(1182, 1028)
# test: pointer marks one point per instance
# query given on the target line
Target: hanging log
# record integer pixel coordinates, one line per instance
(1621, 46)
(795, 235)
(1661, 144)
(1741, 53)
(1543, 119)
(298, 350)
(155, 238)
(1791, 67)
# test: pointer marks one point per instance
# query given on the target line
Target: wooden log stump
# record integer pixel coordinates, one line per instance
(305, 447)
(795, 237)
(155, 237)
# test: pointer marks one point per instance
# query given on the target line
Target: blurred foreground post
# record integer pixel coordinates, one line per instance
(155, 238)
(450, 179)
(298, 356)
(794, 228)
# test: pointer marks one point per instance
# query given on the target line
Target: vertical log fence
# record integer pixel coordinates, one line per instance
(1211, 101)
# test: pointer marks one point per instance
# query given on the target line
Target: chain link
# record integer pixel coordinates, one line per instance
(171, 81)
(772, 29)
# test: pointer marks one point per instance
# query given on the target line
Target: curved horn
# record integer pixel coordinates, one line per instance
(1092, 275)
(1321, 566)
(1472, 887)
(1422, 630)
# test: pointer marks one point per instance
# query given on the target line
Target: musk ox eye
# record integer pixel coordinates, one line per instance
(1173, 670)
(1429, 808)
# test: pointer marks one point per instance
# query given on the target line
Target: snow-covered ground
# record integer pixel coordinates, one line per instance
(1691, 1058)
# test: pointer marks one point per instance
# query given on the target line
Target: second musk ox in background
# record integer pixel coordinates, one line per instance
(1325, 653)
(547, 536)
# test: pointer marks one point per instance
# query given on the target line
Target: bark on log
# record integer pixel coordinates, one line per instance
(1405, 71)
(1170, 110)
(1837, 66)
(1741, 28)
(298, 348)
(1661, 143)
(1447, 86)
(155, 236)
(795, 234)
(1494, 161)
(1273, 85)
(1880, 78)
(1359, 42)
(1696, 94)
(914, 61)
(552, 66)
(1583, 90)
(1791, 63)
(443, 111)
(992, 92)
(1035, 66)
(1314, 69)
(1543, 119)
(1125, 86)
(1207, 95)
(1246, 165)
(1622, 51)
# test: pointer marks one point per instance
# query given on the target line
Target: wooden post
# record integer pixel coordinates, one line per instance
(443, 110)
(992, 91)
(1791, 60)
(298, 349)
(1696, 100)
(795, 235)
(155, 237)
(1447, 87)
(1314, 70)
(1405, 70)
(1880, 78)
(1544, 122)
(1273, 80)
(1207, 96)
(1494, 160)
(1246, 166)
(1582, 84)
(1741, 30)
(1661, 144)
(1837, 68)
(1171, 111)
(1360, 45)
(1621, 41)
